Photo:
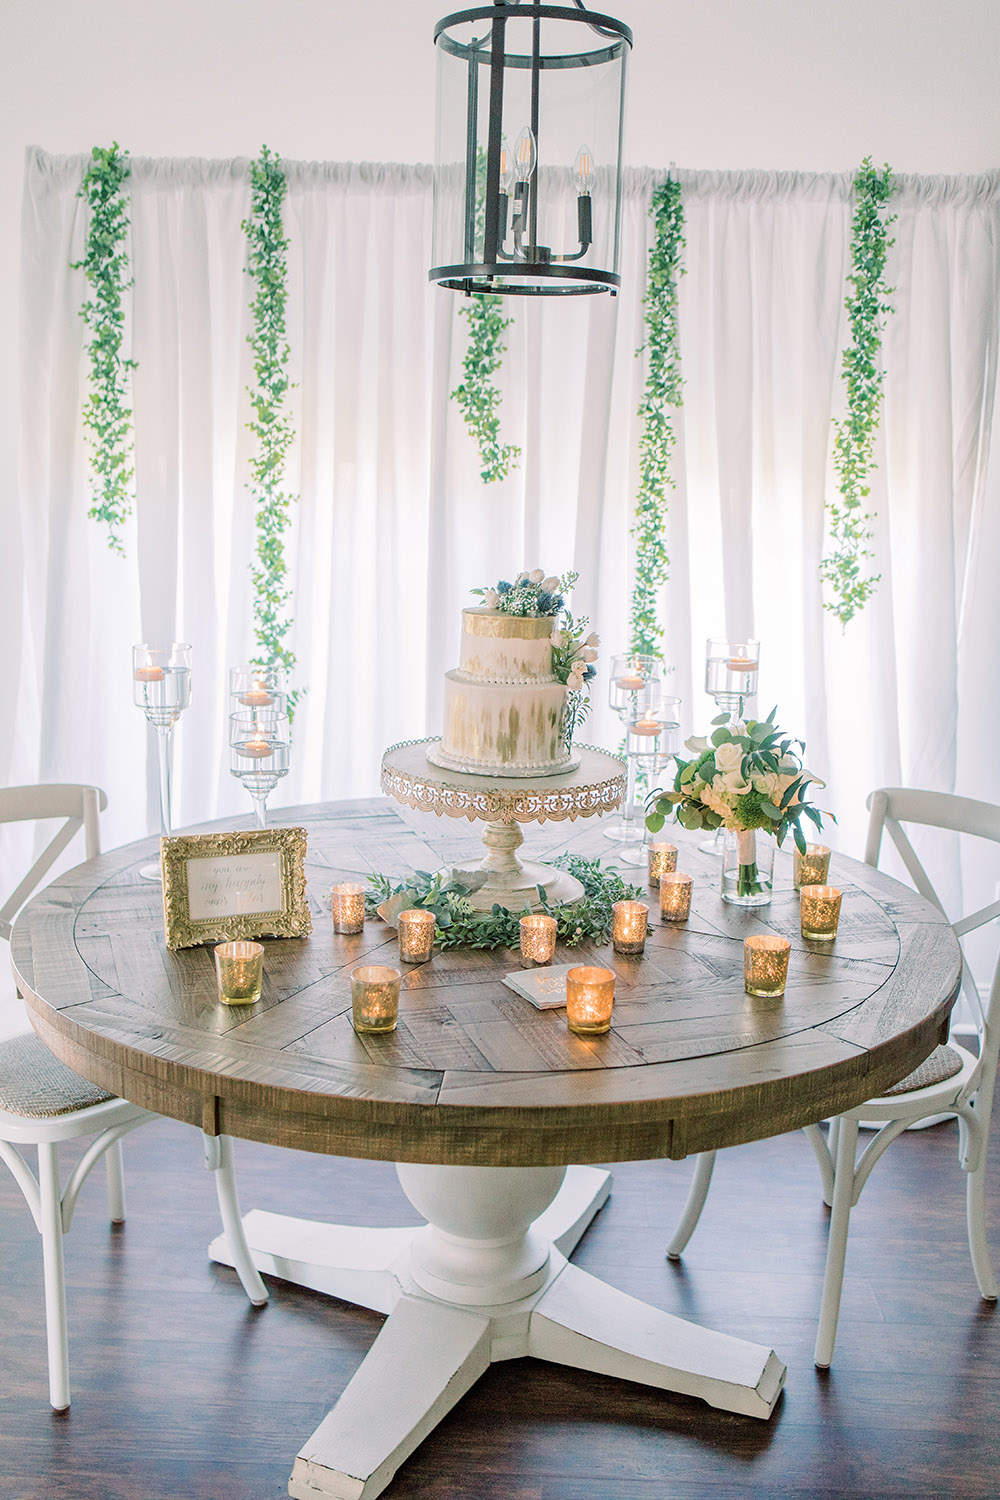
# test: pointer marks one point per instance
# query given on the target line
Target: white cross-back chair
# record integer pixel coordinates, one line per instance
(952, 1081)
(43, 1102)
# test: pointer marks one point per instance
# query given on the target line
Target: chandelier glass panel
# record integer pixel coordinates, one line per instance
(527, 186)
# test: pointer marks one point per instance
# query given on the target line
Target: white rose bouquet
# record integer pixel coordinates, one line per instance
(749, 776)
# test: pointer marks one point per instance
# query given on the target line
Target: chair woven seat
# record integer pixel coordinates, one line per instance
(944, 1062)
(35, 1084)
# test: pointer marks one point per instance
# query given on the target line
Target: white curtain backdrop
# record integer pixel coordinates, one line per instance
(394, 526)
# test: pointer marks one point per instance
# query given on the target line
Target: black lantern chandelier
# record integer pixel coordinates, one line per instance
(527, 184)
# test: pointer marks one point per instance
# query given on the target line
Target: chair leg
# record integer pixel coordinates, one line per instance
(836, 1252)
(114, 1164)
(975, 1212)
(219, 1159)
(54, 1275)
(704, 1166)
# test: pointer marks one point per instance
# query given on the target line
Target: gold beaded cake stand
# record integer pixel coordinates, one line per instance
(503, 803)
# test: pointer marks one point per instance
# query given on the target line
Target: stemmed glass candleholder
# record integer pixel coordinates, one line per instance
(651, 738)
(635, 681)
(257, 687)
(731, 669)
(161, 687)
(258, 753)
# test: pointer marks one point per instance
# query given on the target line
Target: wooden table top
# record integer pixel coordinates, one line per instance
(473, 1074)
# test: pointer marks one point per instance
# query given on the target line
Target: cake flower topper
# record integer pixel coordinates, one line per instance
(574, 651)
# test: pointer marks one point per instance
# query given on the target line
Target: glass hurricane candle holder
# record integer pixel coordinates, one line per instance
(161, 687)
(629, 675)
(375, 998)
(662, 858)
(765, 964)
(629, 921)
(819, 912)
(239, 971)
(347, 903)
(257, 687)
(675, 896)
(415, 930)
(259, 741)
(590, 995)
(731, 669)
(538, 938)
(811, 868)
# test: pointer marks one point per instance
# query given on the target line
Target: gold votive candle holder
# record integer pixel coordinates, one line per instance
(239, 972)
(590, 994)
(375, 998)
(348, 904)
(765, 964)
(538, 938)
(629, 922)
(415, 930)
(675, 896)
(811, 868)
(662, 861)
(819, 912)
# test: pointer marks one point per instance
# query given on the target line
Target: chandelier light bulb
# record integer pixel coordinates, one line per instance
(584, 169)
(506, 170)
(525, 154)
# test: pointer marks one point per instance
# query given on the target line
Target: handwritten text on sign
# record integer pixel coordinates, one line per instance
(234, 885)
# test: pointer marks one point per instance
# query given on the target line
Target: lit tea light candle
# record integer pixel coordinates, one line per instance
(348, 905)
(646, 726)
(630, 684)
(375, 998)
(742, 664)
(590, 995)
(148, 674)
(538, 938)
(765, 964)
(811, 868)
(819, 912)
(675, 896)
(239, 972)
(415, 930)
(629, 921)
(258, 748)
(259, 696)
(662, 859)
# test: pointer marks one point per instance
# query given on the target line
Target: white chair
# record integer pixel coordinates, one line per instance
(952, 1081)
(43, 1102)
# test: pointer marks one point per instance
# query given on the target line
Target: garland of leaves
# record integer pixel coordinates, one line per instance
(867, 307)
(663, 390)
(459, 925)
(477, 396)
(106, 415)
(271, 425)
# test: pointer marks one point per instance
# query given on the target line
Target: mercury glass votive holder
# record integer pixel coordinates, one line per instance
(348, 905)
(819, 912)
(415, 930)
(590, 994)
(765, 964)
(538, 938)
(629, 922)
(375, 998)
(662, 861)
(239, 971)
(675, 897)
(811, 868)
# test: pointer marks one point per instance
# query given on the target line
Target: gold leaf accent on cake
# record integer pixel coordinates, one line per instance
(498, 626)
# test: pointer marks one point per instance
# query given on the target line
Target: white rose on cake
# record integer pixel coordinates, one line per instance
(491, 598)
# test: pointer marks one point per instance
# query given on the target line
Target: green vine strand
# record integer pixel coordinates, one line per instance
(867, 307)
(107, 417)
(477, 396)
(271, 425)
(663, 390)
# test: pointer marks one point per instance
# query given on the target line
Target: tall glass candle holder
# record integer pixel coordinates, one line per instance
(253, 687)
(161, 687)
(628, 926)
(650, 740)
(811, 868)
(661, 859)
(765, 965)
(635, 681)
(731, 669)
(538, 938)
(259, 741)
(590, 995)
(347, 904)
(819, 912)
(375, 998)
(675, 896)
(415, 930)
(239, 972)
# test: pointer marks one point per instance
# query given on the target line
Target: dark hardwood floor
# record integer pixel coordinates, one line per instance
(181, 1392)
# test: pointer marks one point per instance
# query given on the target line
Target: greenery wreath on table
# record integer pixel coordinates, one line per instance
(460, 925)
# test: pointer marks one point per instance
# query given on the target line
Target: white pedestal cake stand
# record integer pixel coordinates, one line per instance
(503, 803)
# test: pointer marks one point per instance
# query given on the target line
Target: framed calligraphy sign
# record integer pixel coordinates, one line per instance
(221, 886)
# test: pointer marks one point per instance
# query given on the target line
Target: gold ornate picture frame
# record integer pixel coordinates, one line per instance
(221, 886)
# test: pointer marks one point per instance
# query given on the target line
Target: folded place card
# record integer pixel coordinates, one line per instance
(545, 987)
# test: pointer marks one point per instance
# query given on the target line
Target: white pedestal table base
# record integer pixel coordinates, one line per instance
(485, 1279)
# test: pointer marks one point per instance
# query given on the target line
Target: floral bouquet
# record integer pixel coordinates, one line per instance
(574, 652)
(748, 777)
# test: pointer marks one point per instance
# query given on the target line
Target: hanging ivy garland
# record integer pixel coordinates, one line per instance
(477, 395)
(107, 417)
(663, 390)
(271, 425)
(867, 307)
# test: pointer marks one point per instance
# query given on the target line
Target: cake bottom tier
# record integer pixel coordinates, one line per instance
(503, 728)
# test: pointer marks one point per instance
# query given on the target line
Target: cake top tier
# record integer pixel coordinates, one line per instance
(498, 647)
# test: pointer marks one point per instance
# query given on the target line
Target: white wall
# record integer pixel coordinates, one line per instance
(807, 84)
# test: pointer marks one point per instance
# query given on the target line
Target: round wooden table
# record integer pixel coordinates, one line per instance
(483, 1100)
